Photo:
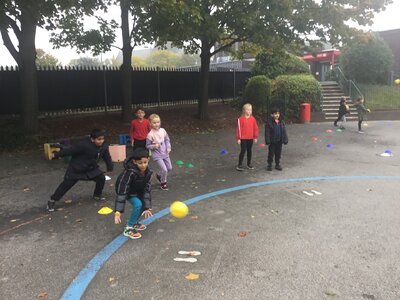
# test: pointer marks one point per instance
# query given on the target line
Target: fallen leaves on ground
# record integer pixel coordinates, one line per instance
(78, 220)
(112, 281)
(330, 293)
(42, 295)
(192, 276)
(68, 201)
(26, 189)
(13, 220)
(195, 217)
(242, 233)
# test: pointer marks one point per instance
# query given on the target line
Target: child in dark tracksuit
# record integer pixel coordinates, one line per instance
(275, 136)
(83, 166)
(343, 111)
(133, 184)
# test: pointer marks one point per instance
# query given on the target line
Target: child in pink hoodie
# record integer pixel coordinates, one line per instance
(158, 142)
(246, 133)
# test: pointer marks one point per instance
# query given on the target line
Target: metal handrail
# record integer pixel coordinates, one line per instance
(347, 85)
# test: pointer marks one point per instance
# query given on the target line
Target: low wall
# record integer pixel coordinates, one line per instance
(378, 115)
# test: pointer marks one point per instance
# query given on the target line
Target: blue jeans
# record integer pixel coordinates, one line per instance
(136, 210)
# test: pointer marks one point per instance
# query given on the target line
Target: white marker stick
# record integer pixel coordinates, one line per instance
(316, 192)
(190, 253)
(307, 193)
(187, 259)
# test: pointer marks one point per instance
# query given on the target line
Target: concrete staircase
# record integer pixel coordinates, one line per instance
(331, 94)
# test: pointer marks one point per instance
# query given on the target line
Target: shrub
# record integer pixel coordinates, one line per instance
(291, 90)
(257, 91)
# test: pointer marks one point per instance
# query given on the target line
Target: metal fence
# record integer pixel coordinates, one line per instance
(381, 97)
(99, 88)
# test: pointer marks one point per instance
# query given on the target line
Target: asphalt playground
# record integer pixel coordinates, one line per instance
(326, 227)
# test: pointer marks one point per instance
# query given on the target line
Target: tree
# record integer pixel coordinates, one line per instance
(44, 59)
(210, 26)
(102, 39)
(163, 59)
(275, 62)
(367, 61)
(20, 19)
(85, 62)
(114, 62)
(187, 60)
(138, 61)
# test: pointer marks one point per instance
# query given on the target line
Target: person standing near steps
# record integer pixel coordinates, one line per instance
(362, 112)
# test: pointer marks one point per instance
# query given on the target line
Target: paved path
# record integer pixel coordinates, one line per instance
(343, 242)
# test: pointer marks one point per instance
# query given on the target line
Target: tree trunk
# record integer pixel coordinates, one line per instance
(204, 78)
(126, 67)
(28, 85)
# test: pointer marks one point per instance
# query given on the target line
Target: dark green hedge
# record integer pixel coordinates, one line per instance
(291, 90)
(257, 91)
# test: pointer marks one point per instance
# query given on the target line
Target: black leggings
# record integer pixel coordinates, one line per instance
(139, 144)
(359, 124)
(245, 145)
(67, 184)
(274, 149)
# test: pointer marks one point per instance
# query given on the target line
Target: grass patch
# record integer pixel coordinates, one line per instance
(381, 97)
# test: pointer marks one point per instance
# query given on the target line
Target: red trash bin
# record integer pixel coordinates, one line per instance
(305, 112)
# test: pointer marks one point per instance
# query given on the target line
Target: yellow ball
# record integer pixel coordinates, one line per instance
(397, 81)
(179, 209)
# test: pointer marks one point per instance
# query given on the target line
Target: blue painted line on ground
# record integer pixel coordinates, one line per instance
(79, 285)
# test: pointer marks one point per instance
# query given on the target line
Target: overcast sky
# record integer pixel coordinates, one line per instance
(389, 19)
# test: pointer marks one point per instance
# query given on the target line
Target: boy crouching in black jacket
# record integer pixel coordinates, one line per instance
(275, 136)
(133, 184)
(83, 166)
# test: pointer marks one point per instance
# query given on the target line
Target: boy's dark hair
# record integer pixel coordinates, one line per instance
(138, 108)
(342, 100)
(274, 110)
(139, 153)
(97, 133)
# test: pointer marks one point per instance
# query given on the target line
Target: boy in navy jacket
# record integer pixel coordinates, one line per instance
(275, 136)
(133, 184)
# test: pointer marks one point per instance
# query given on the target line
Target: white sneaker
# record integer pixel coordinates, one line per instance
(360, 131)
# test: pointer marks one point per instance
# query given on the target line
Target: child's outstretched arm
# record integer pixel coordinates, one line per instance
(122, 189)
(167, 142)
(255, 130)
(267, 135)
(147, 201)
(285, 139)
(70, 151)
(150, 144)
(107, 159)
(131, 130)
(238, 131)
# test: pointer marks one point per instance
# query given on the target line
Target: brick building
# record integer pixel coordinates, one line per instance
(392, 38)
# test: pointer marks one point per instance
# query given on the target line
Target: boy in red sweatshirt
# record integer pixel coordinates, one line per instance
(246, 133)
(140, 127)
